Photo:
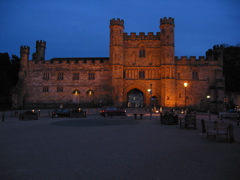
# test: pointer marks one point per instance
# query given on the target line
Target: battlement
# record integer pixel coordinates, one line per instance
(24, 49)
(117, 21)
(191, 58)
(40, 43)
(141, 36)
(90, 60)
(215, 53)
(167, 21)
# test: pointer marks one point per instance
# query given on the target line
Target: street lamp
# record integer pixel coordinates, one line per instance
(150, 91)
(185, 85)
(208, 102)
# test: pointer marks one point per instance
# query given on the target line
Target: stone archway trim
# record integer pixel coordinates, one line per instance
(135, 86)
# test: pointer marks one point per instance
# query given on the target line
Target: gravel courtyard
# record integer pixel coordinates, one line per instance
(97, 148)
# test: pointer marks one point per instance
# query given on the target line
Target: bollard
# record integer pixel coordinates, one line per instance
(231, 133)
(135, 115)
(203, 126)
(3, 116)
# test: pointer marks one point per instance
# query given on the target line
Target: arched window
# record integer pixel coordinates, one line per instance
(142, 53)
(76, 92)
(90, 92)
(195, 73)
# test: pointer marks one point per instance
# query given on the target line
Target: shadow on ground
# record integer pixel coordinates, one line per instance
(98, 122)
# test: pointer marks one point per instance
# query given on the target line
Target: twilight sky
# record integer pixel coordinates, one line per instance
(80, 28)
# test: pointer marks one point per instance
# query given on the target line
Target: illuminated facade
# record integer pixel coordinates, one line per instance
(136, 62)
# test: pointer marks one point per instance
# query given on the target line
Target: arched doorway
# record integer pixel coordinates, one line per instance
(135, 98)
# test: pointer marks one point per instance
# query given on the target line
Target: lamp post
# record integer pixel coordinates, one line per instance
(209, 112)
(150, 91)
(185, 85)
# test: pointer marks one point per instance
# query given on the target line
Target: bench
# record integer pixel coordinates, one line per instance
(169, 119)
(218, 129)
(188, 120)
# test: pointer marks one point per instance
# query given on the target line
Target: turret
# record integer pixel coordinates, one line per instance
(116, 41)
(167, 40)
(116, 59)
(215, 54)
(39, 55)
(24, 52)
(168, 84)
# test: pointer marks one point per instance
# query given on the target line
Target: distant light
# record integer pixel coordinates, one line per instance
(208, 96)
(185, 84)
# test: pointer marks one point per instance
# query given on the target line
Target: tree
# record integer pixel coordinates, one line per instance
(231, 67)
(8, 77)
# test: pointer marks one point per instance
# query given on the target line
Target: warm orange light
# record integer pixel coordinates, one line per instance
(185, 84)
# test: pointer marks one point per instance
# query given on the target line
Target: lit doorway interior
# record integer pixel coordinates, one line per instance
(135, 98)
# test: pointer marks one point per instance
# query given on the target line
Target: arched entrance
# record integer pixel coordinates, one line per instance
(135, 98)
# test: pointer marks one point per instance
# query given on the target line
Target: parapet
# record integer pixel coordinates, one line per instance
(24, 49)
(117, 21)
(190, 59)
(90, 60)
(167, 21)
(141, 36)
(215, 53)
(41, 43)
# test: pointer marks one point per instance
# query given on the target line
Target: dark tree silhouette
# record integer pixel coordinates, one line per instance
(8, 78)
(231, 68)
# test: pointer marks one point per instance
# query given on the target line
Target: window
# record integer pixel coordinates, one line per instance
(60, 89)
(141, 74)
(142, 53)
(91, 76)
(180, 95)
(179, 76)
(124, 74)
(75, 76)
(45, 89)
(90, 92)
(194, 74)
(60, 76)
(45, 76)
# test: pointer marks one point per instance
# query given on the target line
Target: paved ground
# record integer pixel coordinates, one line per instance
(97, 148)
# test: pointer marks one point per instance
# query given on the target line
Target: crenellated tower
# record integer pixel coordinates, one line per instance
(24, 59)
(168, 85)
(39, 55)
(116, 59)
(20, 91)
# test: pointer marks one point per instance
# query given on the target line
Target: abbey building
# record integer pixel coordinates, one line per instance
(141, 70)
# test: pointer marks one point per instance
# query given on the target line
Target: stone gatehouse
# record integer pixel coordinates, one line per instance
(141, 70)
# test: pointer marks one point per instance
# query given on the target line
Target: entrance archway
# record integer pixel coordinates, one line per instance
(135, 98)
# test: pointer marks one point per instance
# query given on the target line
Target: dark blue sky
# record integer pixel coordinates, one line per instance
(80, 28)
